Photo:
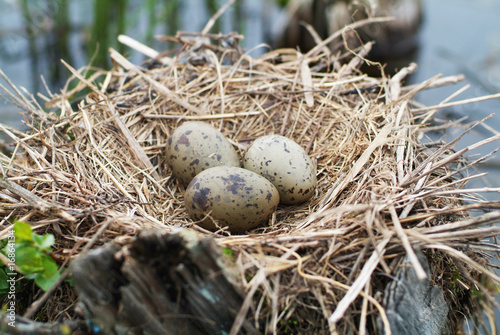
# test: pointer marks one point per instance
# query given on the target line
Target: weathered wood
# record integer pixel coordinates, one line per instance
(24, 326)
(161, 283)
(415, 306)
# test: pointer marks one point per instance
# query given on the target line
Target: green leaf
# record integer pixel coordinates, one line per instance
(22, 231)
(45, 281)
(227, 252)
(4, 285)
(30, 259)
(44, 241)
(70, 281)
(49, 276)
(30, 276)
(49, 266)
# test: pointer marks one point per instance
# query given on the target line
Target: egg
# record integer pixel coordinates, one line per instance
(197, 146)
(230, 197)
(283, 162)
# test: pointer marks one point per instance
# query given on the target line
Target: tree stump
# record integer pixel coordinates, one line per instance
(160, 283)
(415, 306)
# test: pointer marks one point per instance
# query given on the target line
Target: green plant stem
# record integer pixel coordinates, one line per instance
(35, 306)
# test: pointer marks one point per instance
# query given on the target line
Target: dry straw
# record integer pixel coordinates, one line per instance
(92, 170)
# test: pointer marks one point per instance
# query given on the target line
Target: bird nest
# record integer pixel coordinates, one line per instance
(90, 168)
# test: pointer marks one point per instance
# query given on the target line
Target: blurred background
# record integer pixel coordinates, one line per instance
(446, 36)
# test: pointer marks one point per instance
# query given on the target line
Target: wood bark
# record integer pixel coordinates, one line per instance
(175, 283)
(415, 306)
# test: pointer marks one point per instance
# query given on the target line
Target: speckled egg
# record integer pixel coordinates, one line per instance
(285, 164)
(230, 197)
(197, 146)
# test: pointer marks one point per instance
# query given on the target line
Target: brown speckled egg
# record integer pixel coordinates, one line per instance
(285, 164)
(197, 146)
(232, 197)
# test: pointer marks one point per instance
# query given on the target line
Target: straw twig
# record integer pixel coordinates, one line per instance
(381, 194)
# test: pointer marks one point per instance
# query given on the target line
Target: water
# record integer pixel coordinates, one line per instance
(464, 37)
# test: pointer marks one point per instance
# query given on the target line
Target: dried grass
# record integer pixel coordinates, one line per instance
(318, 267)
